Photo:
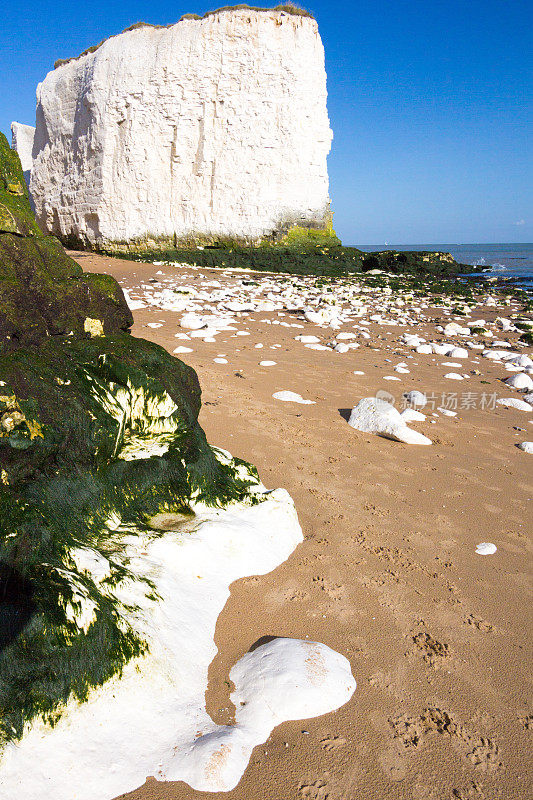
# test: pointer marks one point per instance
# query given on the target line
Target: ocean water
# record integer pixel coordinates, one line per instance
(507, 260)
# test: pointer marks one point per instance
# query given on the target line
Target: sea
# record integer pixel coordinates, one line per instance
(505, 260)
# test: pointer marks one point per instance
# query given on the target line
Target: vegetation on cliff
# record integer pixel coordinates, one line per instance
(287, 8)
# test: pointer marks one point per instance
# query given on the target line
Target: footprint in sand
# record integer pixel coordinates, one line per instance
(411, 733)
(477, 622)
(332, 743)
(319, 790)
(433, 651)
(334, 590)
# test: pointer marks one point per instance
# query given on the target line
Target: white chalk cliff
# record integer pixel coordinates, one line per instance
(213, 127)
(22, 142)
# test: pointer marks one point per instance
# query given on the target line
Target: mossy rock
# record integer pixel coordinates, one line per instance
(43, 292)
(306, 257)
(8, 223)
(97, 437)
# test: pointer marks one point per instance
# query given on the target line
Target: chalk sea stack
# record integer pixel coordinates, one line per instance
(204, 142)
(214, 127)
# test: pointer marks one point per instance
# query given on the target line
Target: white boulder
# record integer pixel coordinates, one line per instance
(372, 415)
(454, 329)
(527, 447)
(513, 402)
(520, 381)
(415, 398)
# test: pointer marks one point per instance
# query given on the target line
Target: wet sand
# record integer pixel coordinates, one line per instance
(438, 637)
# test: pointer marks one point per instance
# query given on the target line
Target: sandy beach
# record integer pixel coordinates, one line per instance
(438, 636)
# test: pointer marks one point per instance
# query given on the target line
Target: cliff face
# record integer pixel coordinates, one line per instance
(22, 142)
(213, 127)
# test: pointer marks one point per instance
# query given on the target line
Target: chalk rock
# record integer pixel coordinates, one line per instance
(411, 415)
(307, 339)
(454, 329)
(527, 447)
(292, 397)
(458, 352)
(520, 381)
(411, 339)
(486, 549)
(215, 126)
(521, 361)
(22, 142)
(513, 402)
(284, 679)
(192, 322)
(415, 398)
(372, 415)
(442, 349)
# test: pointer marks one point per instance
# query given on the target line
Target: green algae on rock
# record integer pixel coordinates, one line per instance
(99, 434)
(43, 292)
(304, 255)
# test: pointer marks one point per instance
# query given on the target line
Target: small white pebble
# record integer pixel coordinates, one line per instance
(486, 549)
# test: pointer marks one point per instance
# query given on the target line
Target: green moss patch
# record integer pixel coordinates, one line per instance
(97, 437)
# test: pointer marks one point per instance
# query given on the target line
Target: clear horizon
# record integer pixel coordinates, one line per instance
(429, 106)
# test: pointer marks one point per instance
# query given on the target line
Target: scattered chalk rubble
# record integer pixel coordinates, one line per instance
(337, 317)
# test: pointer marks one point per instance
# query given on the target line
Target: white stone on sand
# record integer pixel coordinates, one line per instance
(458, 352)
(514, 402)
(292, 397)
(454, 329)
(372, 415)
(284, 679)
(411, 415)
(527, 447)
(415, 398)
(520, 381)
(486, 549)
(307, 339)
(192, 322)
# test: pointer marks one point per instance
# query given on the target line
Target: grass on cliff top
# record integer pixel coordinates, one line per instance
(287, 8)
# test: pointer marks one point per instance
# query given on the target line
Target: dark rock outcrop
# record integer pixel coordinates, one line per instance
(43, 292)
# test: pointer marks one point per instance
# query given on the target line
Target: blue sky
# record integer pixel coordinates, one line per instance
(430, 104)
